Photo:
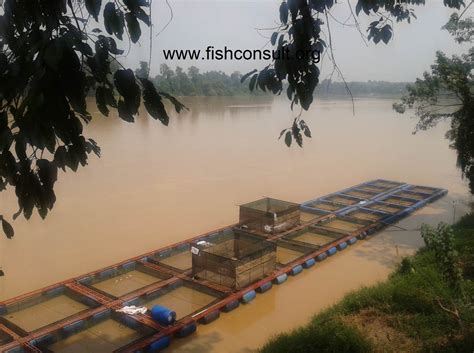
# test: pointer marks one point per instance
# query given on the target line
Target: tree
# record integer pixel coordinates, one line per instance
(142, 71)
(447, 92)
(193, 72)
(51, 57)
(303, 23)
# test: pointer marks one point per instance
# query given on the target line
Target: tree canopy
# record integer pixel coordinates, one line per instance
(193, 82)
(447, 92)
(53, 53)
(304, 25)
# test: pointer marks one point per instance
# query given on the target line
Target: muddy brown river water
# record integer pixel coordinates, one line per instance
(155, 185)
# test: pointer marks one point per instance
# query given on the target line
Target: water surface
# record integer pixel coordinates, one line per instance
(155, 185)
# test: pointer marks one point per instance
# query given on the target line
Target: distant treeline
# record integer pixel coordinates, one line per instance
(192, 82)
(369, 88)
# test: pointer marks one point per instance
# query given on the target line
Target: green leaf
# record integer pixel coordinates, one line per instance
(358, 7)
(128, 88)
(100, 100)
(178, 106)
(113, 20)
(305, 128)
(60, 157)
(124, 112)
(133, 27)
(153, 103)
(284, 12)
(93, 7)
(288, 138)
(246, 76)
(109, 14)
(274, 37)
(143, 16)
(281, 133)
(386, 33)
(7, 228)
(289, 92)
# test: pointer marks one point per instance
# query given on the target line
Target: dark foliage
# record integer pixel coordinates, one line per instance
(51, 57)
(196, 83)
(193, 82)
(447, 93)
(302, 24)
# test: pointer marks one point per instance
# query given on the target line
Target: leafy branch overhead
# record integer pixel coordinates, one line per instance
(303, 24)
(446, 93)
(53, 54)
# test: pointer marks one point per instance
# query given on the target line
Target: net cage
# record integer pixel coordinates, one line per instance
(233, 259)
(269, 215)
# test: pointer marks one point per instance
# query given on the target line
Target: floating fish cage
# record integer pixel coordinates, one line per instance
(36, 311)
(289, 251)
(361, 193)
(233, 259)
(312, 216)
(384, 207)
(201, 277)
(312, 236)
(366, 214)
(106, 331)
(269, 216)
(178, 258)
(343, 200)
(344, 224)
(322, 205)
(184, 297)
(117, 282)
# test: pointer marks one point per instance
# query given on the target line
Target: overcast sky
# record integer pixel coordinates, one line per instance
(232, 23)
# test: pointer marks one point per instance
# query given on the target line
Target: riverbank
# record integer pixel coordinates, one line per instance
(416, 310)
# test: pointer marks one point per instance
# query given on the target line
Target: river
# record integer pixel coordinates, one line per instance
(155, 185)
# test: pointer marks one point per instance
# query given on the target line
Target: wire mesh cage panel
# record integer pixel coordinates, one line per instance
(312, 236)
(234, 259)
(269, 215)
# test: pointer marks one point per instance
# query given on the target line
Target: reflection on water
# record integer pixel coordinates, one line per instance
(155, 185)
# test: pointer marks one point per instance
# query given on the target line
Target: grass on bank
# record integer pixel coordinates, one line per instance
(418, 309)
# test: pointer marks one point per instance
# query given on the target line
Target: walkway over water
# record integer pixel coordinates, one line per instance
(80, 315)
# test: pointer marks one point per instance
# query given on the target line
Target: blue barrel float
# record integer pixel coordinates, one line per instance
(163, 315)
(186, 330)
(160, 344)
(352, 241)
(231, 306)
(341, 246)
(296, 270)
(332, 251)
(249, 296)
(308, 263)
(281, 278)
(321, 256)
(212, 316)
(264, 287)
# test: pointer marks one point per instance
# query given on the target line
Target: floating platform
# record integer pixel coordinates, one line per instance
(80, 314)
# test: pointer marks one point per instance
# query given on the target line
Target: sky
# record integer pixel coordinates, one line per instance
(197, 24)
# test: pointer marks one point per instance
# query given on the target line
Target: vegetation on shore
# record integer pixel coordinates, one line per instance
(193, 82)
(425, 306)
